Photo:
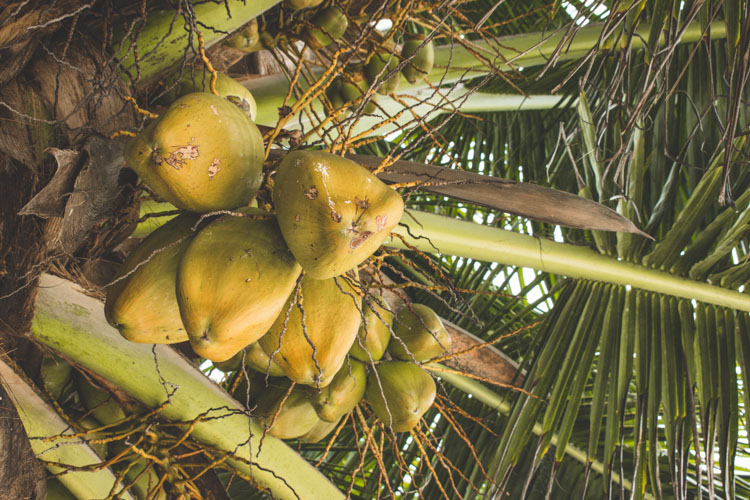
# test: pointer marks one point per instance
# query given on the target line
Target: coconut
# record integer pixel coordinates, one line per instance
(379, 65)
(374, 333)
(423, 333)
(420, 58)
(141, 302)
(302, 4)
(257, 359)
(343, 393)
(247, 39)
(286, 418)
(319, 431)
(312, 352)
(329, 25)
(202, 154)
(407, 393)
(200, 81)
(232, 283)
(56, 373)
(332, 212)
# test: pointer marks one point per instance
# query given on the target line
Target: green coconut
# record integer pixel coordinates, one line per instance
(423, 332)
(231, 364)
(331, 321)
(379, 65)
(421, 58)
(257, 359)
(333, 93)
(302, 4)
(328, 25)
(232, 283)
(200, 81)
(343, 393)
(247, 39)
(286, 418)
(141, 302)
(202, 154)
(353, 89)
(407, 393)
(90, 423)
(319, 431)
(56, 373)
(374, 333)
(101, 404)
(332, 212)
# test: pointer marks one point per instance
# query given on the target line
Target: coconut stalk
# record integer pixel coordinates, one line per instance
(494, 400)
(455, 62)
(471, 240)
(164, 40)
(74, 325)
(41, 421)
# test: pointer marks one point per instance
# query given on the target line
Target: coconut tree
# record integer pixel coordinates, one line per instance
(619, 317)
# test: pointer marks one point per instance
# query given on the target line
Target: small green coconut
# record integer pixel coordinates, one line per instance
(375, 332)
(286, 418)
(343, 393)
(421, 57)
(407, 393)
(423, 333)
(319, 431)
(329, 25)
(379, 65)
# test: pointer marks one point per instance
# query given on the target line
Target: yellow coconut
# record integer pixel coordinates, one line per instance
(232, 283)
(419, 333)
(141, 303)
(312, 350)
(202, 154)
(399, 393)
(332, 212)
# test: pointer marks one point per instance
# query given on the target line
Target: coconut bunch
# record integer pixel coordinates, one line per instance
(274, 291)
(379, 368)
(415, 57)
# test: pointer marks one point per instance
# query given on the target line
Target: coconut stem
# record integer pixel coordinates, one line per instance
(164, 39)
(468, 239)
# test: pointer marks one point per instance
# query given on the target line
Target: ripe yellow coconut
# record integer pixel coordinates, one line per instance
(141, 303)
(232, 283)
(332, 212)
(202, 154)
(312, 350)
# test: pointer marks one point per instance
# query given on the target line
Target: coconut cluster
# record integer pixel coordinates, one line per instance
(271, 289)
